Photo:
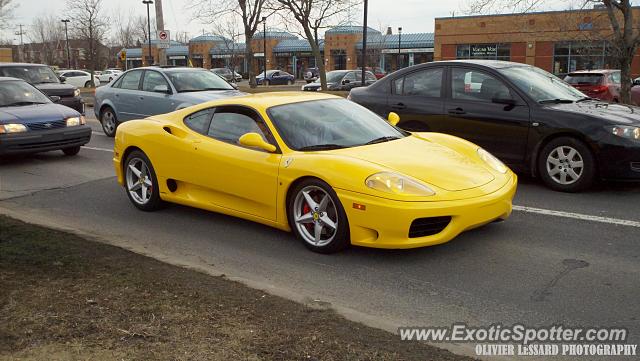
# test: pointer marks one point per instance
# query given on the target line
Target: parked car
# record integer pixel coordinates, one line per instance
(78, 78)
(529, 118)
(377, 71)
(142, 92)
(342, 80)
(237, 76)
(598, 84)
(327, 169)
(108, 75)
(311, 75)
(225, 74)
(275, 77)
(43, 78)
(30, 122)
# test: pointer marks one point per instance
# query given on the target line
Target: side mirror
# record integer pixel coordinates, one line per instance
(255, 140)
(636, 82)
(393, 119)
(54, 98)
(161, 89)
(63, 79)
(345, 81)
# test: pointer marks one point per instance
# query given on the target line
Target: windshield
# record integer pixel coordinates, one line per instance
(31, 74)
(584, 79)
(330, 124)
(541, 85)
(193, 81)
(18, 93)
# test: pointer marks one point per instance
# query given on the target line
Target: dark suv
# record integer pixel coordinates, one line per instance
(43, 78)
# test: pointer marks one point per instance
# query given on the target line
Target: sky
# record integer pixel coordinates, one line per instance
(413, 16)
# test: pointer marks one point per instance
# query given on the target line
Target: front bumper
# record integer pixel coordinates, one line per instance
(385, 223)
(44, 140)
(76, 103)
(619, 159)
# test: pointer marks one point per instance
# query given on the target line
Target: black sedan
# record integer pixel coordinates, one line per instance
(342, 80)
(529, 118)
(30, 122)
(43, 78)
(275, 77)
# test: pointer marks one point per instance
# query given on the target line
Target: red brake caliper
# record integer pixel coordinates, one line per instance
(306, 209)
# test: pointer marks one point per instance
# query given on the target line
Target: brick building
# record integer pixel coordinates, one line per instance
(557, 41)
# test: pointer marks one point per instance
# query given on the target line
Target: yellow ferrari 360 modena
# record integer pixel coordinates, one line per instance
(321, 166)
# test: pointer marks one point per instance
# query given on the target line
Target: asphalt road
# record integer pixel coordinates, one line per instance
(560, 258)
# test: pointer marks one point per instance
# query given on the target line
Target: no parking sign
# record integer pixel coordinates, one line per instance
(164, 40)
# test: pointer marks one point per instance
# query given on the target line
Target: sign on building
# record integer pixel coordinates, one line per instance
(164, 40)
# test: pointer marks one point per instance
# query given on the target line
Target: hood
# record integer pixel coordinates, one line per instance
(609, 112)
(36, 113)
(58, 89)
(205, 96)
(427, 161)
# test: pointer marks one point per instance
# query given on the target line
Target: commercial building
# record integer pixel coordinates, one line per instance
(557, 41)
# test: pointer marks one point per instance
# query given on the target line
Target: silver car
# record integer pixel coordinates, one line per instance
(143, 92)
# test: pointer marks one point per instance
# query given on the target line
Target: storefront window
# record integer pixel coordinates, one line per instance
(484, 51)
(580, 55)
(339, 59)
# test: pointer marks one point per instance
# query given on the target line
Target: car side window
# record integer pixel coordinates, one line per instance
(350, 76)
(426, 83)
(231, 123)
(615, 77)
(276, 74)
(397, 86)
(131, 80)
(153, 79)
(370, 76)
(199, 121)
(471, 84)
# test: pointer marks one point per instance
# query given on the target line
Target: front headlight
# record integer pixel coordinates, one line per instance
(492, 161)
(626, 132)
(12, 128)
(397, 184)
(75, 121)
(76, 93)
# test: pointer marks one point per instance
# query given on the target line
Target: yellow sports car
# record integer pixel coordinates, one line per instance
(326, 168)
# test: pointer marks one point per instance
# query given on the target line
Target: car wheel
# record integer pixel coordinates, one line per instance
(71, 151)
(141, 182)
(566, 164)
(109, 122)
(110, 80)
(87, 84)
(266, 82)
(317, 217)
(291, 82)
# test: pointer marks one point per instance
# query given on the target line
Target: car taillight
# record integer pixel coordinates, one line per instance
(600, 89)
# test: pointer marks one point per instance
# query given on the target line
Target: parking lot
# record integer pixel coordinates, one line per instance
(560, 257)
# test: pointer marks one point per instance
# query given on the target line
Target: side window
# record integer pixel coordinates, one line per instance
(350, 77)
(615, 78)
(370, 76)
(426, 83)
(229, 124)
(397, 86)
(276, 74)
(131, 80)
(199, 121)
(471, 84)
(152, 79)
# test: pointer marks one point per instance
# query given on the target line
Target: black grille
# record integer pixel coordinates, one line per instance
(423, 227)
(48, 125)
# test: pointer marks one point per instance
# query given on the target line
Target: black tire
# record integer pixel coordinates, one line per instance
(309, 81)
(152, 202)
(291, 82)
(110, 80)
(340, 238)
(109, 128)
(71, 151)
(266, 82)
(87, 84)
(552, 165)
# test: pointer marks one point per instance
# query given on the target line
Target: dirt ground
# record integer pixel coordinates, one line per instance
(66, 298)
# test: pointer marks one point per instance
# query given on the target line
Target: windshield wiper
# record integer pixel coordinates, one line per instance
(22, 103)
(322, 147)
(585, 99)
(556, 101)
(382, 139)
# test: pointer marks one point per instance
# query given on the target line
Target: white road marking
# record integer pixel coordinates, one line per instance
(583, 217)
(98, 133)
(100, 149)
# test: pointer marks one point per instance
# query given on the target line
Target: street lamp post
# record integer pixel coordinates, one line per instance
(399, 44)
(148, 2)
(364, 42)
(66, 35)
(264, 48)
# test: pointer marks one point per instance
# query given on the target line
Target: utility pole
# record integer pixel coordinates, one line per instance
(364, 43)
(399, 46)
(160, 26)
(20, 48)
(66, 35)
(148, 2)
(264, 48)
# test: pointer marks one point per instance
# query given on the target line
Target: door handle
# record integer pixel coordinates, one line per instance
(456, 111)
(398, 106)
(141, 98)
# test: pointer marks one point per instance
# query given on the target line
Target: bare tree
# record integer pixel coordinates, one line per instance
(124, 30)
(229, 33)
(90, 25)
(141, 29)
(312, 16)
(182, 37)
(251, 13)
(6, 12)
(48, 32)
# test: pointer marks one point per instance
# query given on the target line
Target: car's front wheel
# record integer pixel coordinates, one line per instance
(109, 122)
(566, 164)
(317, 217)
(71, 151)
(141, 182)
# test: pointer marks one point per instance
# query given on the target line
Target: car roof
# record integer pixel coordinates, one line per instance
(21, 64)
(8, 78)
(271, 99)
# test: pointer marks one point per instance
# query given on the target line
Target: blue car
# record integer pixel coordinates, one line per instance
(143, 92)
(275, 77)
(30, 122)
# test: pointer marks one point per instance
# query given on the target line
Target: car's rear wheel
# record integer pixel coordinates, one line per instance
(87, 84)
(71, 151)
(566, 164)
(317, 217)
(109, 122)
(290, 82)
(141, 182)
(266, 82)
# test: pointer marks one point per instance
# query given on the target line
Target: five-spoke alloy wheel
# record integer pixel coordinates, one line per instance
(109, 122)
(141, 182)
(566, 164)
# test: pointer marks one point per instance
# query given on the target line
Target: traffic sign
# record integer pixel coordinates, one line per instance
(123, 55)
(164, 40)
